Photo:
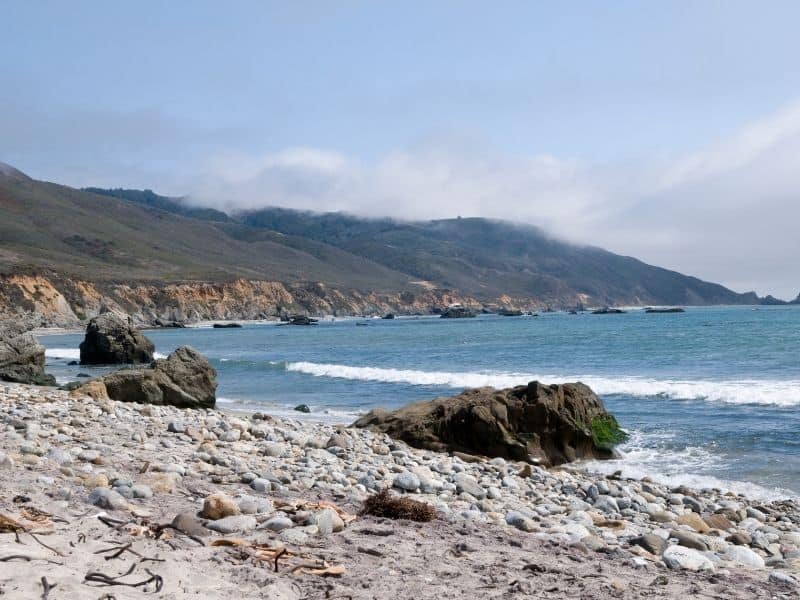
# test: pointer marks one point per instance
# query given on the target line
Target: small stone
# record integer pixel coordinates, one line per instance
(218, 506)
(718, 521)
(651, 542)
(303, 408)
(278, 523)
(96, 481)
(189, 523)
(232, 435)
(141, 491)
(6, 462)
(782, 578)
(176, 427)
(328, 521)
(678, 557)
(60, 457)
(694, 521)
(295, 535)
(274, 450)
(465, 483)
(520, 521)
(406, 481)
(740, 538)
(233, 524)
(261, 485)
(108, 499)
(742, 555)
(689, 540)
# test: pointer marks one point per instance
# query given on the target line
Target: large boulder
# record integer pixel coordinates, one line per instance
(185, 379)
(21, 355)
(551, 424)
(112, 340)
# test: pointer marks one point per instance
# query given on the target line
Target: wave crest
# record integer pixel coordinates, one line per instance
(750, 391)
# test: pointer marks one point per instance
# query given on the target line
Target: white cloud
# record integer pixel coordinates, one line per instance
(726, 213)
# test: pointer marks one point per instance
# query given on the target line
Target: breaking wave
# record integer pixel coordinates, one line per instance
(752, 391)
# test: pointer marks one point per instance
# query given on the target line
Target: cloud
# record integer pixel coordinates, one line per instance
(726, 212)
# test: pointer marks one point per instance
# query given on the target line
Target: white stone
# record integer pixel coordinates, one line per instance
(678, 557)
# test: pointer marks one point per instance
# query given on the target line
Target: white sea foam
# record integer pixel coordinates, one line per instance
(317, 414)
(645, 456)
(774, 392)
(75, 354)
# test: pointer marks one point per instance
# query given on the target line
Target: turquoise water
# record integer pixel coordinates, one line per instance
(711, 396)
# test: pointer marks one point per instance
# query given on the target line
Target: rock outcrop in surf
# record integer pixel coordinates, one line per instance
(548, 424)
(110, 340)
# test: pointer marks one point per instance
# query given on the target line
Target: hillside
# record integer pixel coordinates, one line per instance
(131, 236)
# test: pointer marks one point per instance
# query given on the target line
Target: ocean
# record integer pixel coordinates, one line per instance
(711, 397)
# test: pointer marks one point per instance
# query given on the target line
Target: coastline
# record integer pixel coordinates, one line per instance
(502, 526)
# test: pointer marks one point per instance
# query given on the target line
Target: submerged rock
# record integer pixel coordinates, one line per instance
(110, 340)
(552, 424)
(21, 355)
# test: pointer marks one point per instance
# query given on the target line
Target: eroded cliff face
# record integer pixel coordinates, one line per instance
(61, 302)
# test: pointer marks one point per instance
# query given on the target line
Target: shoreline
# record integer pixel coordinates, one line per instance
(614, 536)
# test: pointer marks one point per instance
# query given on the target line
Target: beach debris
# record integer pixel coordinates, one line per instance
(46, 588)
(384, 504)
(294, 506)
(114, 580)
(261, 552)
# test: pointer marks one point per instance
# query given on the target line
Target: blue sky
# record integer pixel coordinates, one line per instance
(667, 131)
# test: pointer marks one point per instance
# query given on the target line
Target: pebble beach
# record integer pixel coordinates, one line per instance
(134, 500)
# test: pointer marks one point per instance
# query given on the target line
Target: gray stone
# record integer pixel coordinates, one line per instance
(189, 523)
(59, 456)
(520, 521)
(465, 483)
(689, 540)
(783, 579)
(406, 481)
(141, 491)
(176, 427)
(742, 555)
(278, 523)
(295, 535)
(108, 499)
(261, 485)
(234, 524)
(693, 504)
(651, 542)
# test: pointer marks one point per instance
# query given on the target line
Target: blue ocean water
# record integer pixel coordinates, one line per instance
(711, 396)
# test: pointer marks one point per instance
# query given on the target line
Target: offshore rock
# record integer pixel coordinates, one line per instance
(111, 340)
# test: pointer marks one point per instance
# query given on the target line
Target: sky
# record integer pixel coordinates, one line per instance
(666, 131)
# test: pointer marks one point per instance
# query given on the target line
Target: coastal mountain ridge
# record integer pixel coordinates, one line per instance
(120, 237)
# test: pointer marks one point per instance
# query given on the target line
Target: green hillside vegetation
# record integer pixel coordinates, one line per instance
(123, 234)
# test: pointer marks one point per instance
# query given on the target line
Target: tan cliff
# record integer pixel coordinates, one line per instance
(62, 302)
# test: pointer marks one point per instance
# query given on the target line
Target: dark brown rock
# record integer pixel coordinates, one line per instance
(547, 423)
(111, 340)
(185, 379)
(21, 355)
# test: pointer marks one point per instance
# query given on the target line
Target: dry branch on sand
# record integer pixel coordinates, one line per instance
(266, 553)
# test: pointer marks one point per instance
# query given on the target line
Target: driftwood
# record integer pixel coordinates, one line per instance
(266, 553)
